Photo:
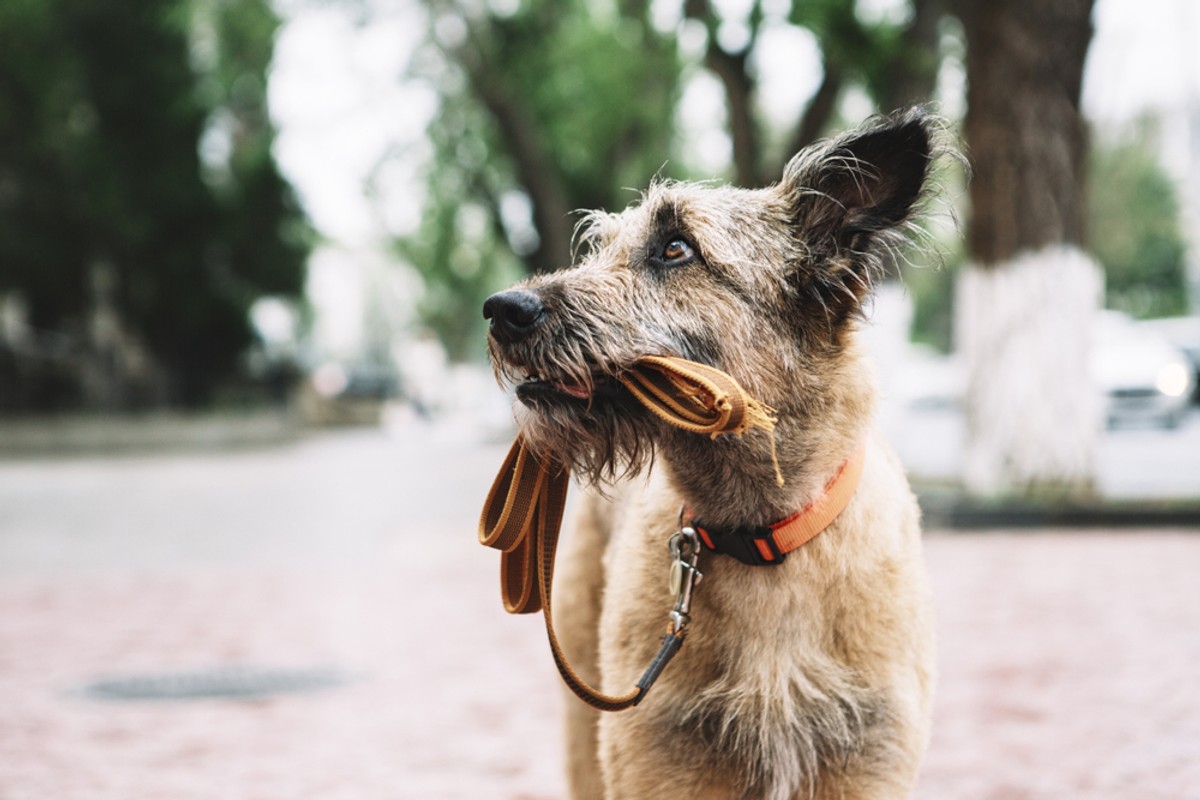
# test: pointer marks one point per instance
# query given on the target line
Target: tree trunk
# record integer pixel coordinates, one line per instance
(536, 171)
(817, 114)
(739, 98)
(1022, 328)
(524, 141)
(732, 70)
(915, 68)
(1026, 301)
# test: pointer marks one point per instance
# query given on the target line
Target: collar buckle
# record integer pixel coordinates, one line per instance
(753, 545)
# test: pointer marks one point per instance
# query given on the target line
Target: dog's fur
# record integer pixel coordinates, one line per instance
(811, 679)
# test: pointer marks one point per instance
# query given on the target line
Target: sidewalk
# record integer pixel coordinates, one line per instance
(1067, 658)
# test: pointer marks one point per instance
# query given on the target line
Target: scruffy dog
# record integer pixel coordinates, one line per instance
(810, 677)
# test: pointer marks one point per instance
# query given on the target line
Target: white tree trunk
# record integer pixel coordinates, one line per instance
(1033, 413)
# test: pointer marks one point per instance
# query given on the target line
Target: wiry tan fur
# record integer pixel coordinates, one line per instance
(811, 679)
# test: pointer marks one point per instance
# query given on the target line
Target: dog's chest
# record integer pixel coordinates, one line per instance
(753, 687)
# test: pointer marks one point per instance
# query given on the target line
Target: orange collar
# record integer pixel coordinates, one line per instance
(770, 544)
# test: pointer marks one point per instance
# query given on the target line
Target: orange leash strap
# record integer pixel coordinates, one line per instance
(522, 518)
(523, 511)
(695, 397)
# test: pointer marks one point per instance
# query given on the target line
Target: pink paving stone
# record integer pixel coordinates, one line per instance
(1068, 670)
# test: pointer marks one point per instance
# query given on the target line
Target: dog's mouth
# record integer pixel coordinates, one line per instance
(536, 388)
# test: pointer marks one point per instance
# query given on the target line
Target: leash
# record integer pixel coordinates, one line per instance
(522, 517)
(523, 511)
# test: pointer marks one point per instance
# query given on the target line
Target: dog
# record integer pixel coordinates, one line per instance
(806, 676)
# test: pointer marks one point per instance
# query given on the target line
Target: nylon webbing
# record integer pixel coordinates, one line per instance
(523, 511)
(696, 397)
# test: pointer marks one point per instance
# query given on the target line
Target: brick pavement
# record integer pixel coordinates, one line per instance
(1068, 659)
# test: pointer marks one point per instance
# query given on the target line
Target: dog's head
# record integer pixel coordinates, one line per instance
(763, 284)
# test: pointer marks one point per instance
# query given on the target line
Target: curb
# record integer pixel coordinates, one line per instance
(84, 435)
(944, 509)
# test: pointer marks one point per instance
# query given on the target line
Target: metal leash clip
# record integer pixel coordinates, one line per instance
(684, 548)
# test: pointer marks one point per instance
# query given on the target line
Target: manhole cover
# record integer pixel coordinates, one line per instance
(222, 682)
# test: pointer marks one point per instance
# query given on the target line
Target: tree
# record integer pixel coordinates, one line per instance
(1025, 301)
(555, 106)
(551, 108)
(107, 214)
(895, 63)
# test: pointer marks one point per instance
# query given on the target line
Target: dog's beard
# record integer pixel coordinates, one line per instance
(602, 438)
(580, 417)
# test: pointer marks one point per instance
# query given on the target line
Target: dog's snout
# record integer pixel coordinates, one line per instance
(513, 314)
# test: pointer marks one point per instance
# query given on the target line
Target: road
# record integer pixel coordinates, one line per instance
(1067, 658)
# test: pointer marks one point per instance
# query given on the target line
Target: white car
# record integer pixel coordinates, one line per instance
(1184, 333)
(1141, 374)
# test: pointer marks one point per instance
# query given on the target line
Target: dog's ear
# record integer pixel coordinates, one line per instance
(850, 198)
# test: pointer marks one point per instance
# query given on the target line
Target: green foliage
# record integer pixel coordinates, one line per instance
(868, 53)
(932, 292)
(101, 113)
(601, 88)
(460, 250)
(557, 106)
(939, 257)
(1135, 230)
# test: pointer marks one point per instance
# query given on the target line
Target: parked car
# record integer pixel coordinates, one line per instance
(1184, 333)
(1142, 375)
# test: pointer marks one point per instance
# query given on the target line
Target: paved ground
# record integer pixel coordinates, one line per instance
(1068, 660)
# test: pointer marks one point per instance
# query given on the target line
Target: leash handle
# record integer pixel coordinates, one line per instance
(695, 397)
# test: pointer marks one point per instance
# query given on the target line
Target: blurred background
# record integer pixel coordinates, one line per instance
(246, 420)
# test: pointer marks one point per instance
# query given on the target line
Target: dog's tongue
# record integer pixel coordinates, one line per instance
(573, 389)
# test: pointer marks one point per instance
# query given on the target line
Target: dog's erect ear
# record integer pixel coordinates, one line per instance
(855, 193)
(864, 182)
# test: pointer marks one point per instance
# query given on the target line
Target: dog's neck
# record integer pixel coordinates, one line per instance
(730, 481)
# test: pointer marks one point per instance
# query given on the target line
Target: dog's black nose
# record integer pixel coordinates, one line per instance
(514, 314)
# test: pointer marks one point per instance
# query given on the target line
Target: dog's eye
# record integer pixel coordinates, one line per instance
(677, 250)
